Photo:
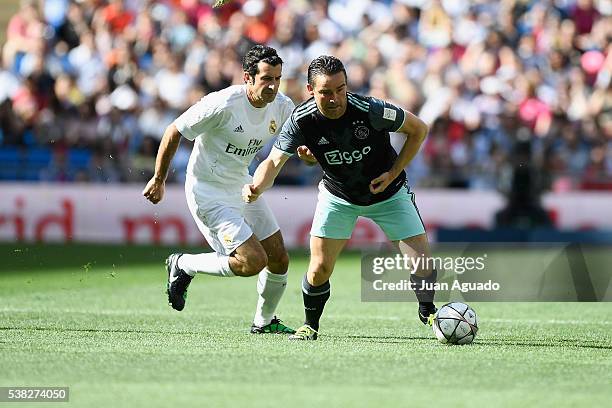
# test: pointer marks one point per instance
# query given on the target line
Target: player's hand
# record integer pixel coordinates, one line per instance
(380, 183)
(250, 193)
(306, 156)
(154, 190)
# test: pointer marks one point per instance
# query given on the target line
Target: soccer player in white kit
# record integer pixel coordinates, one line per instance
(228, 128)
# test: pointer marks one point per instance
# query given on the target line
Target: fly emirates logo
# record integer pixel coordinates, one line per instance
(254, 146)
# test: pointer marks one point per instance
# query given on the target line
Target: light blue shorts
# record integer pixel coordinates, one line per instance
(397, 216)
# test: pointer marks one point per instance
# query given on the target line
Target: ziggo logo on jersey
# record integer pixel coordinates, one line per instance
(337, 157)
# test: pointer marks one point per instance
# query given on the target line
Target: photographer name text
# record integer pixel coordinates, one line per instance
(464, 287)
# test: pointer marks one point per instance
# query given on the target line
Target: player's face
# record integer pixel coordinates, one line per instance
(329, 92)
(262, 89)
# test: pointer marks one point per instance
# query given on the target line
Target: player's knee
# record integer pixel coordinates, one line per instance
(279, 262)
(319, 273)
(255, 263)
(249, 259)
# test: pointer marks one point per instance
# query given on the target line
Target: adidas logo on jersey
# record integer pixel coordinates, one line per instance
(239, 129)
(323, 141)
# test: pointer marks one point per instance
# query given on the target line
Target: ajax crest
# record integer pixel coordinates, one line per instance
(361, 132)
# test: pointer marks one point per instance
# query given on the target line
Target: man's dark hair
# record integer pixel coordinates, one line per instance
(257, 54)
(324, 65)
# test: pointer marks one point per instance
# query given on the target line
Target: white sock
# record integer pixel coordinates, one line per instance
(270, 287)
(210, 263)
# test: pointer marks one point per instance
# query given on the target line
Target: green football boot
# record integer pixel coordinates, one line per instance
(276, 326)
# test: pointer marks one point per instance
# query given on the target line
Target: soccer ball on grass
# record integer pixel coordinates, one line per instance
(455, 323)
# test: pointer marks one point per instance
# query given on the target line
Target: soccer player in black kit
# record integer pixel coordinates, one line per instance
(348, 135)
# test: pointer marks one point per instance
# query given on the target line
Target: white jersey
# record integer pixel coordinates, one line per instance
(228, 132)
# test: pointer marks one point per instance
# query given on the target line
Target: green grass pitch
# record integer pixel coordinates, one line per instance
(95, 318)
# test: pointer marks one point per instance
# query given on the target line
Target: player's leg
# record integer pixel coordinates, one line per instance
(422, 278)
(272, 280)
(271, 285)
(399, 218)
(247, 260)
(332, 226)
(316, 289)
(237, 252)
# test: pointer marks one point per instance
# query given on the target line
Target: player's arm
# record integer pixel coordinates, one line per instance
(205, 115)
(288, 141)
(415, 131)
(265, 174)
(154, 190)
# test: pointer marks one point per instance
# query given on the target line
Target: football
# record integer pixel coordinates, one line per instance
(455, 323)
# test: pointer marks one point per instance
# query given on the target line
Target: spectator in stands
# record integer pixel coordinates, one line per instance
(474, 71)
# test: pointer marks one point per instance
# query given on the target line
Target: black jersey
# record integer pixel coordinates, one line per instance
(352, 150)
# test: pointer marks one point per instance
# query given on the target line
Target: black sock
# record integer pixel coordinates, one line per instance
(425, 296)
(314, 301)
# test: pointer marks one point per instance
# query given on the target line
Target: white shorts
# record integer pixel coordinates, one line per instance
(224, 219)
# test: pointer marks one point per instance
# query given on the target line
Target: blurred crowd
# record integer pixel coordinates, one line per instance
(105, 77)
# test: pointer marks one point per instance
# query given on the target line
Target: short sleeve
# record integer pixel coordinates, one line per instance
(385, 116)
(290, 138)
(200, 118)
